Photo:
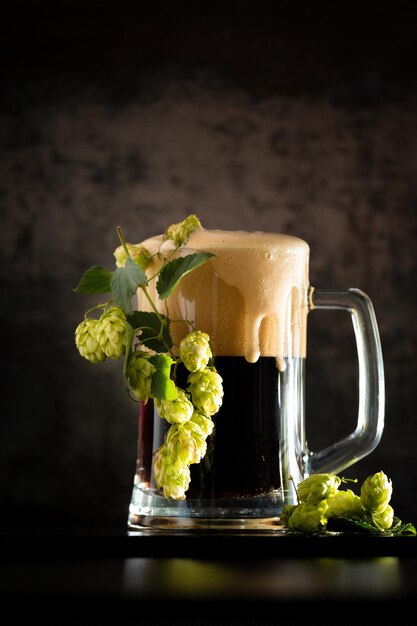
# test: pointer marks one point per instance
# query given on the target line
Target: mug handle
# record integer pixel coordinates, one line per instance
(371, 413)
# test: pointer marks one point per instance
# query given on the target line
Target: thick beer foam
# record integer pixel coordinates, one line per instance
(251, 298)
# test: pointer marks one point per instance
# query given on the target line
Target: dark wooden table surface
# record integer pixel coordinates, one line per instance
(103, 576)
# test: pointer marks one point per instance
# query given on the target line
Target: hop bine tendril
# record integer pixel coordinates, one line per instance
(142, 339)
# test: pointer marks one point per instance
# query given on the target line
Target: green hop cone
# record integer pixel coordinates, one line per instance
(307, 517)
(206, 390)
(179, 233)
(318, 487)
(86, 340)
(381, 519)
(111, 332)
(139, 374)
(139, 254)
(170, 474)
(344, 504)
(376, 492)
(175, 411)
(205, 423)
(286, 513)
(195, 350)
(186, 442)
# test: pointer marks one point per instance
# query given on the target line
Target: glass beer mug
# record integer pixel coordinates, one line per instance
(253, 298)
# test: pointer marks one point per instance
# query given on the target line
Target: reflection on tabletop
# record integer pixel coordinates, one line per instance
(186, 578)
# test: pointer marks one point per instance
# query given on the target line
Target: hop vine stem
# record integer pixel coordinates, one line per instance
(155, 310)
(143, 287)
(140, 381)
(123, 240)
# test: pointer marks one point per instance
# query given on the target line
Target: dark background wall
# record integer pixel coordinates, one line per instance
(296, 117)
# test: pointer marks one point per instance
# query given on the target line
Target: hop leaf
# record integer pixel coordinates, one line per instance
(124, 283)
(175, 270)
(195, 350)
(153, 334)
(163, 388)
(87, 342)
(95, 280)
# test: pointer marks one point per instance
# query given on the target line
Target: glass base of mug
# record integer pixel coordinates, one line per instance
(151, 511)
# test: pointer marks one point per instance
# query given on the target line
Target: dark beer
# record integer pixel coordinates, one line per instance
(242, 456)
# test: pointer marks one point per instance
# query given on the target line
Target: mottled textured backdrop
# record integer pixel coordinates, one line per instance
(276, 116)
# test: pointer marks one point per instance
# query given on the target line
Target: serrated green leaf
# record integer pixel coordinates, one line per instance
(405, 529)
(162, 387)
(345, 524)
(125, 282)
(154, 335)
(351, 525)
(396, 522)
(95, 280)
(173, 271)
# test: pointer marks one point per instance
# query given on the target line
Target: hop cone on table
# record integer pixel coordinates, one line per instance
(318, 487)
(321, 503)
(376, 492)
(383, 519)
(344, 504)
(308, 517)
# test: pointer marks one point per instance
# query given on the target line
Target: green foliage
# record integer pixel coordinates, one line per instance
(95, 280)
(163, 387)
(143, 339)
(154, 330)
(125, 282)
(175, 270)
(352, 525)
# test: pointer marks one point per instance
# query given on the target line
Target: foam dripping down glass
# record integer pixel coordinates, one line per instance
(253, 299)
